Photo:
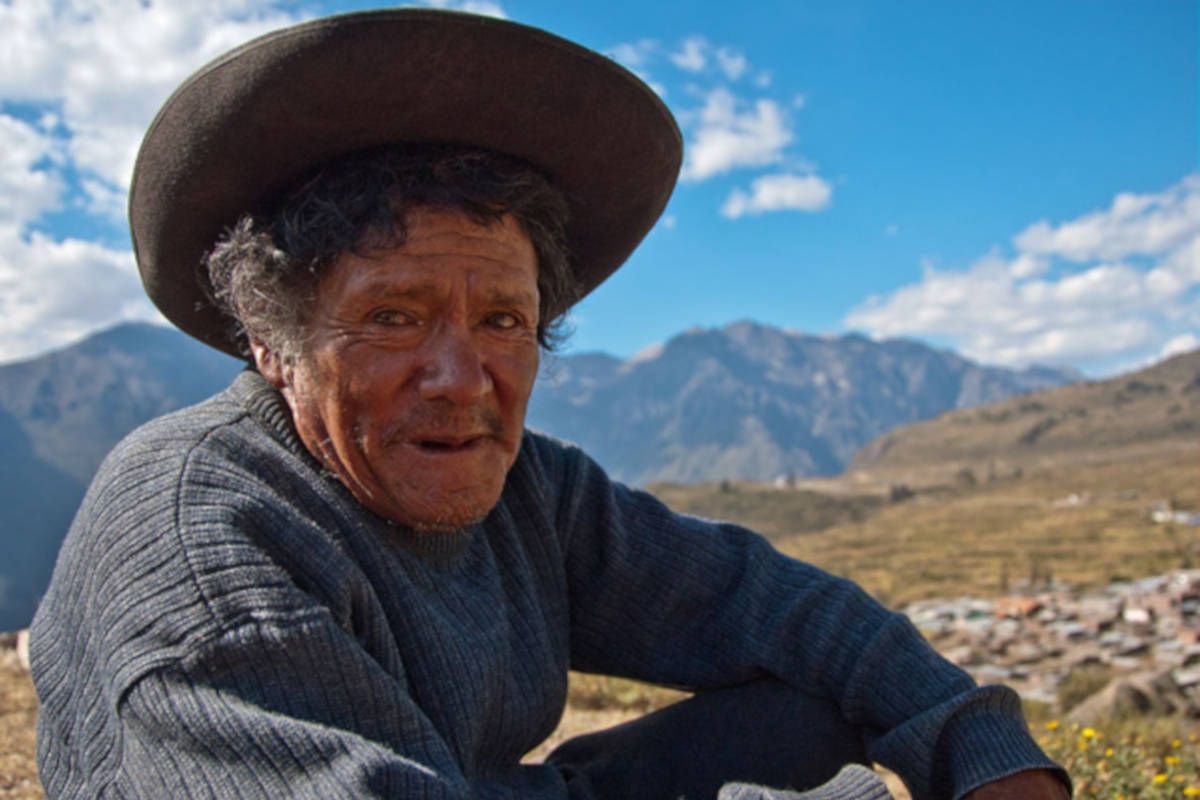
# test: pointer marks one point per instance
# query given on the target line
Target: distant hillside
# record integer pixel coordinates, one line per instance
(754, 402)
(1156, 405)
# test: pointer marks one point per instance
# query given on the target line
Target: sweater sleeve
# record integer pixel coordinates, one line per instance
(672, 599)
(294, 710)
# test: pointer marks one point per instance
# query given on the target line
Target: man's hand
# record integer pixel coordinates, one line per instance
(1034, 784)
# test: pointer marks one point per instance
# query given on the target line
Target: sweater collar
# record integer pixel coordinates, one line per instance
(267, 406)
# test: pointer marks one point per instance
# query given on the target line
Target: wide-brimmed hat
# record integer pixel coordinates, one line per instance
(250, 123)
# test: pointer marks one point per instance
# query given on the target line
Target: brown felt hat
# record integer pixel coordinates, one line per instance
(250, 123)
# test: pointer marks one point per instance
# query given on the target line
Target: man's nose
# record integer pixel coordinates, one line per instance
(454, 368)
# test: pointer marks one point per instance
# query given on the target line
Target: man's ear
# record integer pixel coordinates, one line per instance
(269, 364)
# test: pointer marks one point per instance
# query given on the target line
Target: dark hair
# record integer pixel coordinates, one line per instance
(264, 271)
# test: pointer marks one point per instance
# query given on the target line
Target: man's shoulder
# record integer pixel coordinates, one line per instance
(190, 423)
(550, 461)
(184, 514)
(210, 465)
(548, 448)
(219, 429)
(565, 476)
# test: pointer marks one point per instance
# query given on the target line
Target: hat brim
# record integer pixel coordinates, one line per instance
(252, 122)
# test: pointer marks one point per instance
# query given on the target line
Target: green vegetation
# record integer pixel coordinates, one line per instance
(1125, 759)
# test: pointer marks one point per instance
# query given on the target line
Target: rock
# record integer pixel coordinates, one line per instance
(1186, 678)
(23, 649)
(1146, 693)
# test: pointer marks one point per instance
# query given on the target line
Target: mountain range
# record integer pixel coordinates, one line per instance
(743, 401)
(755, 402)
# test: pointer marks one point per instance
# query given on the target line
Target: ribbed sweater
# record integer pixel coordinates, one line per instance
(226, 621)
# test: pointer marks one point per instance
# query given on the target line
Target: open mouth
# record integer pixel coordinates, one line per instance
(452, 445)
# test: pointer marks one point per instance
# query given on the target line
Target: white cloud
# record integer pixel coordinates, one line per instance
(634, 55)
(92, 72)
(725, 131)
(1110, 286)
(732, 133)
(53, 292)
(637, 58)
(1135, 224)
(105, 66)
(1028, 266)
(732, 63)
(782, 192)
(692, 55)
(487, 8)
(891, 229)
(696, 54)
(1183, 343)
(28, 185)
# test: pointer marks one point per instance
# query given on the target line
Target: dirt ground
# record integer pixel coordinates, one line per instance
(18, 712)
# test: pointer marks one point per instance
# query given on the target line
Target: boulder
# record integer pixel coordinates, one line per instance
(1146, 693)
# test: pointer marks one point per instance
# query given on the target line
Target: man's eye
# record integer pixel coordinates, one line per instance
(504, 321)
(390, 316)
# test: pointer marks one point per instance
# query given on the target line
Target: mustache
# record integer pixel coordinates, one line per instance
(432, 420)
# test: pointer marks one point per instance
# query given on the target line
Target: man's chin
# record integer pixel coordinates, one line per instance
(434, 518)
(443, 526)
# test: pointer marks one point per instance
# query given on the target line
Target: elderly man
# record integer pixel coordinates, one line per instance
(354, 573)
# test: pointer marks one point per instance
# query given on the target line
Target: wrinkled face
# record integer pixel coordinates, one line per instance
(413, 385)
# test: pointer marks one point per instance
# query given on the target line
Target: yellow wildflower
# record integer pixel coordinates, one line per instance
(1089, 733)
(1171, 760)
(1160, 778)
(1175, 743)
(1052, 725)
(1108, 751)
(1192, 791)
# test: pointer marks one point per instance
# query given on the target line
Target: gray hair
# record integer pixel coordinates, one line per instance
(264, 272)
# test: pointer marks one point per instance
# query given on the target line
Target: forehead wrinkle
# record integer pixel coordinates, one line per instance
(507, 297)
(427, 288)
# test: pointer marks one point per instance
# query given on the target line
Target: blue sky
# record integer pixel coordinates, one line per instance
(1014, 180)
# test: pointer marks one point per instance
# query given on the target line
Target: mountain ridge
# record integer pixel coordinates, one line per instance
(1156, 404)
(754, 402)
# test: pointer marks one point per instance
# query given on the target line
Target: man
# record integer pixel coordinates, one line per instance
(353, 573)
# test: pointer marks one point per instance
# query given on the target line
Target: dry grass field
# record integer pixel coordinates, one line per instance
(1084, 520)
(18, 710)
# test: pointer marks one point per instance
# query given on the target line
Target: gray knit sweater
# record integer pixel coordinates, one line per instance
(226, 621)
